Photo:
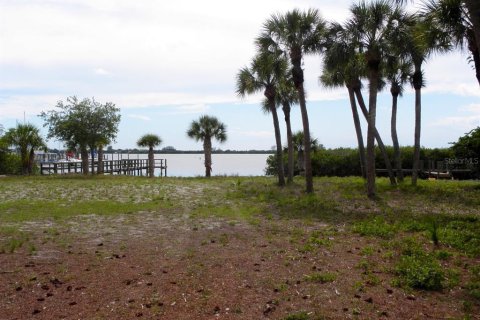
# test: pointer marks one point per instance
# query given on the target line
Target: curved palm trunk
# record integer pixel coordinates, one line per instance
(84, 156)
(473, 7)
(381, 145)
(278, 140)
(100, 160)
(475, 51)
(207, 148)
(396, 147)
(358, 130)
(286, 111)
(151, 162)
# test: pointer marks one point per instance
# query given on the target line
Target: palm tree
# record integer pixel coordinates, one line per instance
(471, 12)
(206, 128)
(343, 68)
(294, 34)
(375, 27)
(452, 18)
(266, 73)
(28, 139)
(397, 72)
(150, 140)
(288, 95)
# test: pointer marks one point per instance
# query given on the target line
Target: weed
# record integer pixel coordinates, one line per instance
(377, 227)
(321, 277)
(420, 271)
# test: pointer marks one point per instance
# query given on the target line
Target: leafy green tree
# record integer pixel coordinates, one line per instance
(83, 123)
(206, 129)
(295, 34)
(150, 141)
(265, 74)
(27, 138)
(467, 150)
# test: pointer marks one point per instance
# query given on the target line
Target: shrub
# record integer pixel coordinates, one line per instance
(420, 271)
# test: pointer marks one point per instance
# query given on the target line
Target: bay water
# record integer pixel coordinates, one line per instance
(192, 165)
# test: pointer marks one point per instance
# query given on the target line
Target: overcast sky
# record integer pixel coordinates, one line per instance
(166, 63)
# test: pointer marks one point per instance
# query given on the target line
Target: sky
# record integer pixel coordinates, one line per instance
(166, 63)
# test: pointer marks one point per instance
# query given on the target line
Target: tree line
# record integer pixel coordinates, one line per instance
(379, 46)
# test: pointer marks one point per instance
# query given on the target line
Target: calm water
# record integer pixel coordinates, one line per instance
(191, 165)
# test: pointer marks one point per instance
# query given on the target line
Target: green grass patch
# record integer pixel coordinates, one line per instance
(28, 210)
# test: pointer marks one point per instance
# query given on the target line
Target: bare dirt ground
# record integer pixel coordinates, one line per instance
(204, 253)
(165, 266)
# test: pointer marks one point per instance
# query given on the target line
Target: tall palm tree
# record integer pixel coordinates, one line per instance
(397, 71)
(150, 140)
(375, 27)
(266, 72)
(296, 33)
(452, 18)
(28, 139)
(288, 95)
(472, 12)
(206, 128)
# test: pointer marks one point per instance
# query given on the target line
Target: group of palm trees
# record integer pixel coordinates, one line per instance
(204, 129)
(381, 43)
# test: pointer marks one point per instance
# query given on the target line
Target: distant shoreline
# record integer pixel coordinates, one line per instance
(133, 151)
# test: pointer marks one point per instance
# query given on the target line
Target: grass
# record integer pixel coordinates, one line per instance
(420, 228)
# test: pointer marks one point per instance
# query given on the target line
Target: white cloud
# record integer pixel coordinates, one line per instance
(101, 72)
(468, 120)
(139, 117)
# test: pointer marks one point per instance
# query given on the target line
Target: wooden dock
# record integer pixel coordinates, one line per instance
(133, 167)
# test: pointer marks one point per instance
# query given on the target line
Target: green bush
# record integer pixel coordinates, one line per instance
(10, 163)
(420, 271)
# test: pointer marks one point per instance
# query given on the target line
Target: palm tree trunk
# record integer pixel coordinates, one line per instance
(151, 162)
(306, 141)
(416, 146)
(372, 114)
(396, 147)
(358, 130)
(286, 110)
(207, 148)
(298, 79)
(24, 159)
(100, 160)
(92, 155)
(475, 51)
(84, 156)
(31, 158)
(473, 7)
(278, 140)
(381, 145)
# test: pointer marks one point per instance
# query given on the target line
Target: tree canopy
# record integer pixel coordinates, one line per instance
(84, 123)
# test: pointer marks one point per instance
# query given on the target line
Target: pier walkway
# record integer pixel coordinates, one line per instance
(133, 167)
